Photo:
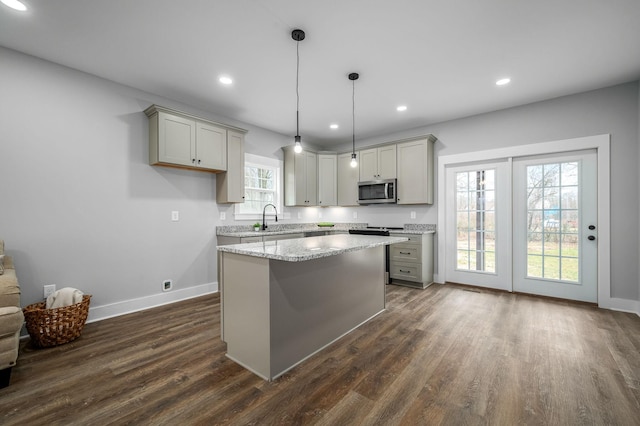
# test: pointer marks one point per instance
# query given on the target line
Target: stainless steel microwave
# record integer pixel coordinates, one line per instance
(377, 192)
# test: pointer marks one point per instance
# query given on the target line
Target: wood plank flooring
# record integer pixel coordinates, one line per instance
(445, 355)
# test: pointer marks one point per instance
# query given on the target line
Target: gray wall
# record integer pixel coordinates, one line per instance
(81, 207)
(611, 110)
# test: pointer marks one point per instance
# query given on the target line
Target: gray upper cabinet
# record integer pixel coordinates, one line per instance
(181, 140)
(348, 180)
(327, 180)
(300, 177)
(415, 171)
(378, 163)
(230, 184)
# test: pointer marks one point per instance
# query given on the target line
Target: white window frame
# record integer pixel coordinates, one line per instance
(266, 162)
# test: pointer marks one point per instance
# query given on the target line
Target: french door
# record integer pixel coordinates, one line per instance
(479, 225)
(555, 226)
(525, 224)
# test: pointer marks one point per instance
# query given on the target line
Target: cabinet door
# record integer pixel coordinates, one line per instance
(230, 185)
(368, 164)
(347, 180)
(415, 172)
(387, 162)
(300, 178)
(211, 147)
(176, 140)
(311, 160)
(327, 177)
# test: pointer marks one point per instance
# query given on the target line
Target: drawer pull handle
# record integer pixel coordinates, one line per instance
(405, 252)
(404, 272)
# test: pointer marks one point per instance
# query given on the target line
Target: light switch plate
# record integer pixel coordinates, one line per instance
(175, 216)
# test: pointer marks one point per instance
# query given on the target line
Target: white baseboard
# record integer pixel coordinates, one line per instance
(99, 313)
(623, 305)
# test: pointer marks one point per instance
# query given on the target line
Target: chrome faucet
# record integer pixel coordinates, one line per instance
(264, 223)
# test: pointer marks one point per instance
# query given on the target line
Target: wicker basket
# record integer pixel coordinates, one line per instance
(51, 327)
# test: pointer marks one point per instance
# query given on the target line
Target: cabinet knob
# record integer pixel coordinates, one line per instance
(193, 160)
(198, 161)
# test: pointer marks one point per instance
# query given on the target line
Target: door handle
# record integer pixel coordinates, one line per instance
(591, 238)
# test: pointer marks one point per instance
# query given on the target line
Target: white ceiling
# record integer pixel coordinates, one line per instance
(441, 58)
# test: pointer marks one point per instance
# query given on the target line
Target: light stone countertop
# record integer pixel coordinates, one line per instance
(242, 231)
(303, 249)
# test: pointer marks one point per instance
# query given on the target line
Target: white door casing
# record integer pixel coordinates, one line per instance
(601, 143)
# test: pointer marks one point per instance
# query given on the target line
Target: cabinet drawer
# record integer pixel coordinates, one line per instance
(406, 271)
(406, 252)
(413, 238)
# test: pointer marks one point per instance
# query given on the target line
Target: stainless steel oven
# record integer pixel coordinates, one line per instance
(377, 192)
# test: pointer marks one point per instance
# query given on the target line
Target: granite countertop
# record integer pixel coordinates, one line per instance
(242, 231)
(303, 249)
(412, 231)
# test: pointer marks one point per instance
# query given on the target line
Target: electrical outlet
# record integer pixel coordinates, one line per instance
(223, 216)
(49, 290)
(320, 215)
(413, 215)
(355, 215)
(167, 285)
(175, 216)
(299, 215)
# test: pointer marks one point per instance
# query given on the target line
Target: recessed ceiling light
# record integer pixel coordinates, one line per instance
(225, 80)
(15, 4)
(503, 81)
(333, 126)
(402, 108)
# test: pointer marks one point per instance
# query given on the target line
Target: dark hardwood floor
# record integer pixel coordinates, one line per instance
(444, 355)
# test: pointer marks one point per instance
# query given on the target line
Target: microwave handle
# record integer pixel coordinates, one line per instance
(386, 190)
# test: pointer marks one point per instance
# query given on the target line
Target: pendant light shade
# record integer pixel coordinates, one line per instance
(298, 36)
(353, 77)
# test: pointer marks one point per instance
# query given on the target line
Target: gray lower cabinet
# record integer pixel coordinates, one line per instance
(411, 262)
(226, 240)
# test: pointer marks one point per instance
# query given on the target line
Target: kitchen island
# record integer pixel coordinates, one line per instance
(283, 301)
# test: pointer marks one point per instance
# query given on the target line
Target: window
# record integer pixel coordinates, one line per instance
(262, 185)
(475, 220)
(553, 221)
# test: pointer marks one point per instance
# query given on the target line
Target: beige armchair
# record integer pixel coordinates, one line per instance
(11, 317)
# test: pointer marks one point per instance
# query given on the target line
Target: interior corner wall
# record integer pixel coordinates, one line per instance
(613, 110)
(81, 206)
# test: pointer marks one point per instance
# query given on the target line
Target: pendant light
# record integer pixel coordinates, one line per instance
(353, 77)
(297, 35)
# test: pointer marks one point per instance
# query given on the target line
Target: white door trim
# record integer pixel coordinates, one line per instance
(599, 142)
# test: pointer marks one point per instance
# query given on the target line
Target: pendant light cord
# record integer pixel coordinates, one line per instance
(297, 91)
(353, 114)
